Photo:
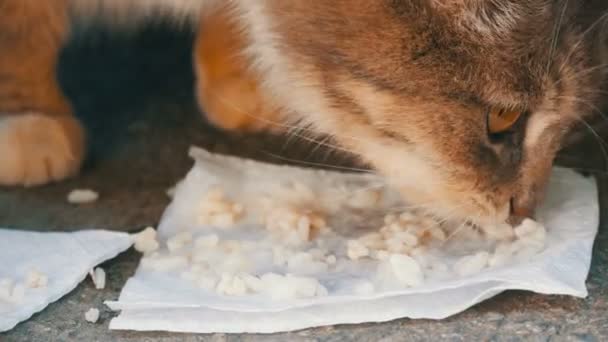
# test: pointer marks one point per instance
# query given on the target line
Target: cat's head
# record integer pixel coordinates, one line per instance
(462, 104)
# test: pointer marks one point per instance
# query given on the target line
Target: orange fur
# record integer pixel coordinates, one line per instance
(31, 35)
(226, 88)
(40, 139)
(405, 85)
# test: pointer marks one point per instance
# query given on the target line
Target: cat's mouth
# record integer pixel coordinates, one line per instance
(458, 207)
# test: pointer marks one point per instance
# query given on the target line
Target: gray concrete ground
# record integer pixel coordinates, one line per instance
(135, 96)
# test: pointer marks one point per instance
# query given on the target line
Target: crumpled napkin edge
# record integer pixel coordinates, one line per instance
(70, 287)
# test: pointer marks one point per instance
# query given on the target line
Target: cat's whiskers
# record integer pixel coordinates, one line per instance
(258, 118)
(595, 92)
(601, 142)
(403, 207)
(555, 36)
(331, 147)
(581, 40)
(292, 130)
(428, 210)
(590, 105)
(399, 208)
(367, 188)
(465, 224)
(318, 145)
(292, 133)
(298, 130)
(579, 74)
(315, 164)
(449, 215)
(579, 117)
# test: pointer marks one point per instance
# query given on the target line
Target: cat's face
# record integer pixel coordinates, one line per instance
(409, 85)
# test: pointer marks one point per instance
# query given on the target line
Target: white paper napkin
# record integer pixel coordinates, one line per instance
(163, 301)
(65, 258)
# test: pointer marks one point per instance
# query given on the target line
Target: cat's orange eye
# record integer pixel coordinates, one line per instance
(501, 120)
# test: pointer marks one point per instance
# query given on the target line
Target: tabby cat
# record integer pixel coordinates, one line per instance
(462, 104)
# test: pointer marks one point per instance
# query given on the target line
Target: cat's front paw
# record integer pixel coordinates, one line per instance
(36, 148)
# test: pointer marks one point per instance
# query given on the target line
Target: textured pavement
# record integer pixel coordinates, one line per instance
(135, 95)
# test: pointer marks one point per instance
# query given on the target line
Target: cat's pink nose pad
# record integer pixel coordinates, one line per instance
(521, 210)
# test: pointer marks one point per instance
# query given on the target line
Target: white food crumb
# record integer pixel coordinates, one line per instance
(438, 267)
(218, 211)
(362, 199)
(179, 241)
(531, 234)
(372, 241)
(231, 285)
(92, 315)
(231, 246)
(171, 192)
(82, 196)
(406, 269)
(304, 263)
(499, 232)
(303, 228)
(279, 255)
(421, 255)
(471, 264)
(380, 255)
(234, 262)
(207, 241)
(401, 234)
(253, 283)
(356, 250)
(35, 279)
(409, 239)
(292, 226)
(98, 276)
(438, 234)
(400, 245)
(6, 289)
(280, 287)
(145, 241)
(407, 217)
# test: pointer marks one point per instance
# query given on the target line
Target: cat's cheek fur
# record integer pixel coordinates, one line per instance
(427, 181)
(301, 89)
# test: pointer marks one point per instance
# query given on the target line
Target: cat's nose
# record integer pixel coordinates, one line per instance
(530, 192)
(521, 209)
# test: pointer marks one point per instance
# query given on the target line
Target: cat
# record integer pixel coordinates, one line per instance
(461, 104)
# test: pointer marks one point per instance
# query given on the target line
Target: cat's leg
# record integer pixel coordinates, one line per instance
(40, 139)
(227, 90)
